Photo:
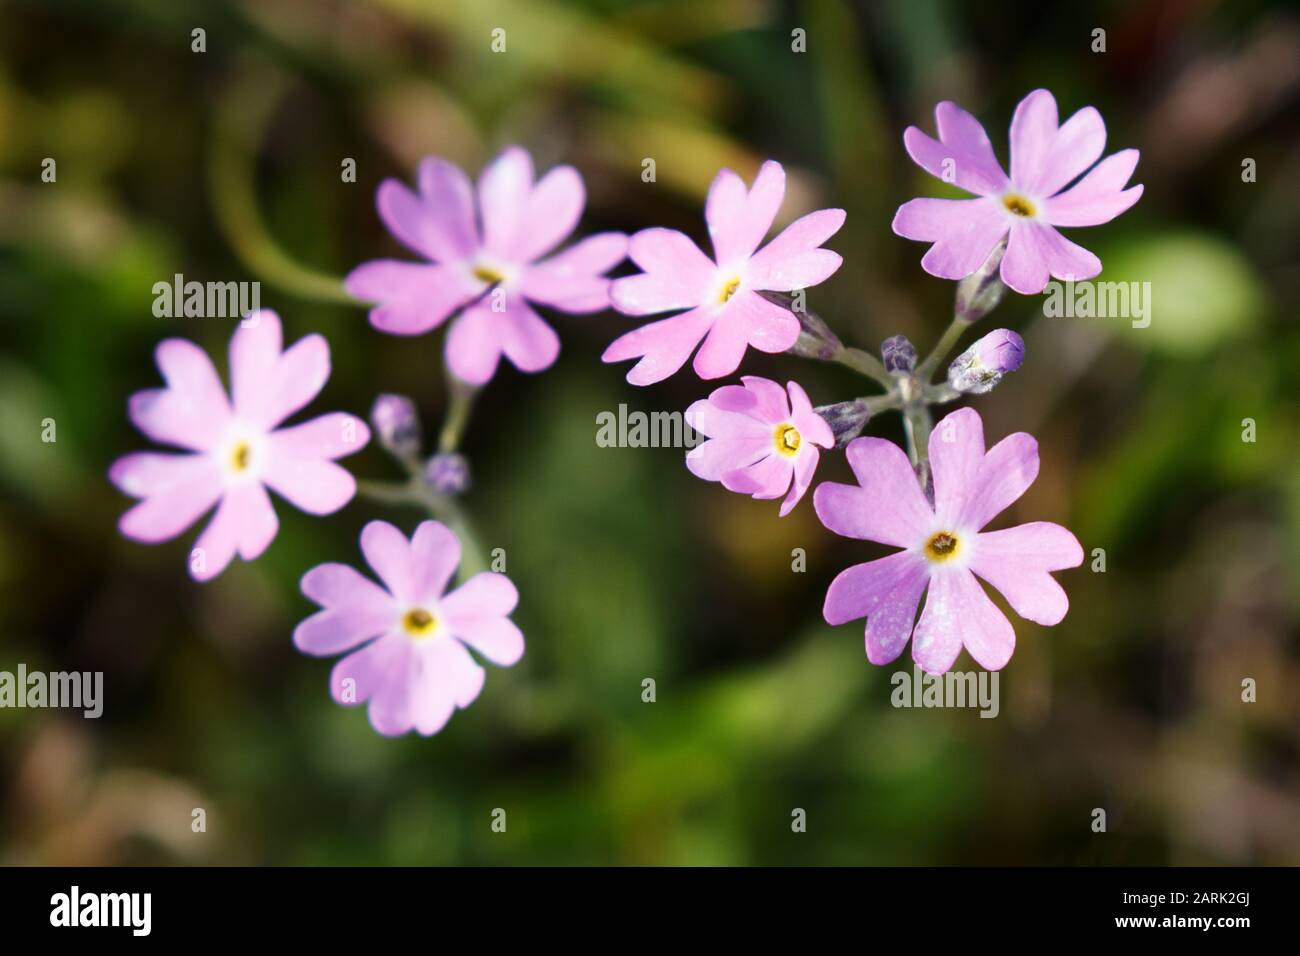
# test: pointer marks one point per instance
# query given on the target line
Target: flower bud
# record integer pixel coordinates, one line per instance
(898, 354)
(397, 424)
(447, 473)
(847, 419)
(816, 340)
(980, 292)
(982, 365)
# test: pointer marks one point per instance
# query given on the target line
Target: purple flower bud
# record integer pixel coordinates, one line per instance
(447, 473)
(980, 292)
(898, 354)
(847, 419)
(397, 424)
(982, 365)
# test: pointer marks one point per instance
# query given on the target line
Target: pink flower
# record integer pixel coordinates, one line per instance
(235, 453)
(758, 441)
(944, 547)
(492, 273)
(726, 310)
(1045, 158)
(409, 640)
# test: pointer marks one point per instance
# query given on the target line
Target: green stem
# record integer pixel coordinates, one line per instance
(864, 363)
(925, 371)
(460, 403)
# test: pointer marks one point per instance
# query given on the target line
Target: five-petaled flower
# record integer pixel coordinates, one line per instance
(944, 547)
(487, 266)
(760, 443)
(722, 294)
(235, 452)
(1045, 158)
(409, 639)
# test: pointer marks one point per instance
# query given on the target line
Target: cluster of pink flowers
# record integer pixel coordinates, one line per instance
(488, 258)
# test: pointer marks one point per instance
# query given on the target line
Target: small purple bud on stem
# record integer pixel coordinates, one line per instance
(447, 473)
(816, 340)
(980, 292)
(898, 354)
(982, 365)
(847, 419)
(397, 424)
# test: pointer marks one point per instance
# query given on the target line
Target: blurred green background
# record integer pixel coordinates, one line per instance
(225, 165)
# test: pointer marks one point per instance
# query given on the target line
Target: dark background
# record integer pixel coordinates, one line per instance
(225, 166)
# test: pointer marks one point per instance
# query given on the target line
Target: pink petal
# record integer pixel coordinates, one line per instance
(334, 585)
(1099, 196)
(473, 346)
(1017, 560)
(956, 453)
(737, 220)
(718, 456)
(1077, 145)
(443, 678)
(804, 467)
(528, 342)
(767, 478)
(677, 275)
(335, 630)
(1007, 471)
(768, 403)
(413, 298)
(770, 328)
(722, 417)
(1033, 133)
(724, 346)
(663, 346)
(267, 386)
(886, 592)
(504, 189)
(792, 260)
(553, 211)
(962, 155)
(177, 491)
(959, 614)
(450, 234)
(435, 554)
(439, 223)
(192, 411)
(1036, 250)
(245, 523)
(333, 435)
(887, 507)
(388, 553)
(311, 485)
(371, 668)
(964, 232)
(476, 613)
(574, 280)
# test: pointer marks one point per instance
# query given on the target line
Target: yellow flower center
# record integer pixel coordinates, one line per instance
(787, 439)
(1019, 205)
(942, 546)
(729, 290)
(419, 623)
(239, 457)
(488, 274)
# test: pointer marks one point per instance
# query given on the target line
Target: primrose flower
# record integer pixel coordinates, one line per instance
(490, 268)
(235, 452)
(410, 640)
(1030, 203)
(944, 547)
(760, 443)
(726, 311)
